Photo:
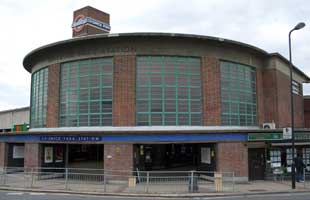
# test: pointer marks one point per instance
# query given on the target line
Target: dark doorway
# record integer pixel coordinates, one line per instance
(15, 155)
(256, 164)
(175, 157)
(85, 156)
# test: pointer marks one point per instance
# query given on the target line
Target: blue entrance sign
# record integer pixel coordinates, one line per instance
(70, 138)
(128, 138)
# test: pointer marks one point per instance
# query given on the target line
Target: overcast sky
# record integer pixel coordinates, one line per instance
(29, 24)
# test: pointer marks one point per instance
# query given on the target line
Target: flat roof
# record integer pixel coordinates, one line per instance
(37, 52)
(14, 110)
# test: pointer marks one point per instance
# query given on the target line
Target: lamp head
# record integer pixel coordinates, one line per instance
(300, 25)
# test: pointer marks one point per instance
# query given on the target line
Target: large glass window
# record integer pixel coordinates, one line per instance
(168, 91)
(238, 90)
(39, 84)
(86, 93)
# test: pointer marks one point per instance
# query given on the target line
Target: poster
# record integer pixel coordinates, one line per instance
(48, 154)
(18, 151)
(205, 155)
(59, 157)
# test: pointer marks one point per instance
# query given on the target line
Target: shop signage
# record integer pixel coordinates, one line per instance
(80, 21)
(264, 136)
(70, 138)
(287, 133)
(302, 136)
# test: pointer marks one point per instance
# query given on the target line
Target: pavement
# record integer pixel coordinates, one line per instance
(10, 195)
(244, 189)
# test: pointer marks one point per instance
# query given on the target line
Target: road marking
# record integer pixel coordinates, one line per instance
(15, 193)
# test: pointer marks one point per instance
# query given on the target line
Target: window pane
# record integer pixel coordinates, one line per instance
(238, 90)
(39, 98)
(168, 90)
(87, 100)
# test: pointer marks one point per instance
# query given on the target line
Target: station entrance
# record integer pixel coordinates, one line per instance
(88, 156)
(175, 157)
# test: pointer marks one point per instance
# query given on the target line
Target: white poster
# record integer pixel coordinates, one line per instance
(18, 151)
(48, 154)
(206, 155)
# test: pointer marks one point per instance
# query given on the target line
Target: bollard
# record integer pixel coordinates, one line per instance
(66, 176)
(304, 177)
(233, 178)
(192, 182)
(218, 181)
(4, 175)
(104, 182)
(32, 178)
(147, 181)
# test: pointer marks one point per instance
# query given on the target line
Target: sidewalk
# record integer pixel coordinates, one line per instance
(250, 188)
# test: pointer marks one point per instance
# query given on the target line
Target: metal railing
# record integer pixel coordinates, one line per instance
(96, 180)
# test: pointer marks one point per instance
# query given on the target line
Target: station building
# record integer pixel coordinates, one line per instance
(157, 101)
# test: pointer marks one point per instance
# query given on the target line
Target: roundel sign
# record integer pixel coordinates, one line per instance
(79, 22)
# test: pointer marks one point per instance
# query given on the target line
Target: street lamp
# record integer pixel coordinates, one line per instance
(297, 27)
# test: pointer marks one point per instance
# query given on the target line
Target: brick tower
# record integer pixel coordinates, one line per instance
(90, 21)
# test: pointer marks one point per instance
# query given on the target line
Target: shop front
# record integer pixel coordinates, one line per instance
(275, 154)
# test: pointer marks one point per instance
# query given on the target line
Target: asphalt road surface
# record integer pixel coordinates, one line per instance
(11, 195)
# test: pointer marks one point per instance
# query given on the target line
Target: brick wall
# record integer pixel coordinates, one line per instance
(211, 91)
(3, 154)
(124, 94)
(277, 100)
(284, 100)
(118, 157)
(32, 155)
(93, 13)
(307, 112)
(299, 119)
(233, 157)
(270, 96)
(260, 97)
(53, 96)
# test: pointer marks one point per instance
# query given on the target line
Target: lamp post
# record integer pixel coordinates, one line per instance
(297, 27)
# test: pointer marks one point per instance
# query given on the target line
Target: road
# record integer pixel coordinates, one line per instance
(11, 195)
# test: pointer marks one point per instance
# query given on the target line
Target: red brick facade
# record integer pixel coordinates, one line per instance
(307, 112)
(260, 97)
(270, 96)
(232, 157)
(93, 13)
(32, 157)
(299, 119)
(283, 100)
(124, 95)
(53, 96)
(211, 91)
(118, 157)
(277, 100)
(3, 154)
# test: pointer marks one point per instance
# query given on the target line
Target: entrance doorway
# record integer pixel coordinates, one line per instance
(174, 157)
(257, 164)
(85, 156)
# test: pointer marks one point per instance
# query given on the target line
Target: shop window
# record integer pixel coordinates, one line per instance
(275, 158)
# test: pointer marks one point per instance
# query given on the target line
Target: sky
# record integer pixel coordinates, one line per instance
(29, 24)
